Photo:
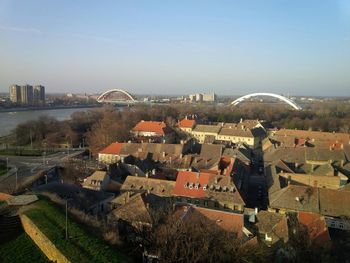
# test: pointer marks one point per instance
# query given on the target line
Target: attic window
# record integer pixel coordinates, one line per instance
(205, 187)
(217, 187)
(131, 186)
(190, 186)
(232, 189)
(197, 186)
(141, 187)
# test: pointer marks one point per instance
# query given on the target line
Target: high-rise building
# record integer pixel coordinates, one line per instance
(27, 94)
(39, 94)
(210, 97)
(15, 93)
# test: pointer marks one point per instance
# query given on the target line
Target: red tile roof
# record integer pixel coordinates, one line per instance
(151, 126)
(4, 196)
(187, 178)
(316, 227)
(113, 148)
(186, 123)
(231, 222)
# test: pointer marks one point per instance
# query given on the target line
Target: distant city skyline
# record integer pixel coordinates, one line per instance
(179, 47)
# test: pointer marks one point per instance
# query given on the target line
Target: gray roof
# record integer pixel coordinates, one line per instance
(80, 198)
(207, 128)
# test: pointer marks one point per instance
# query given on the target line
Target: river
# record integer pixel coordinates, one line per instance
(9, 120)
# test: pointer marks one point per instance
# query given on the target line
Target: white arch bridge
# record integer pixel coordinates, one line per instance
(280, 97)
(116, 96)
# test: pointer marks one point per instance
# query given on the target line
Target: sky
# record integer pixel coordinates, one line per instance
(294, 47)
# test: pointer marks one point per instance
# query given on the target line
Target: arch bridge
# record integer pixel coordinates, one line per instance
(280, 97)
(116, 96)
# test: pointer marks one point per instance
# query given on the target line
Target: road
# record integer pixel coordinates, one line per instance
(29, 166)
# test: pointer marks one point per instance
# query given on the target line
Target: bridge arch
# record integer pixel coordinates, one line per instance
(103, 96)
(280, 97)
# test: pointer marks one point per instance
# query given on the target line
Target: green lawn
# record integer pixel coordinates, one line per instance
(81, 246)
(21, 250)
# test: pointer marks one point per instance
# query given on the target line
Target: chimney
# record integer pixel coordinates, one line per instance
(147, 174)
(153, 171)
(181, 155)
(256, 210)
(241, 120)
(197, 175)
(163, 154)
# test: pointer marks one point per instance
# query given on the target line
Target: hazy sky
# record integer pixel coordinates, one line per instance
(172, 47)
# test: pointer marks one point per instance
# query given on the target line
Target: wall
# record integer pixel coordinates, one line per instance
(46, 246)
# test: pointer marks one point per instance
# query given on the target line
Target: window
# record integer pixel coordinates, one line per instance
(196, 202)
(216, 204)
(205, 203)
(225, 206)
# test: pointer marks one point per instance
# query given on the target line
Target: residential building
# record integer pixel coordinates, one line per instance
(316, 227)
(208, 190)
(209, 97)
(39, 94)
(87, 200)
(186, 125)
(15, 93)
(159, 152)
(154, 131)
(272, 227)
(321, 201)
(202, 131)
(98, 181)
(137, 184)
(26, 94)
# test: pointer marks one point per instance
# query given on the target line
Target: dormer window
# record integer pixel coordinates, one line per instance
(186, 185)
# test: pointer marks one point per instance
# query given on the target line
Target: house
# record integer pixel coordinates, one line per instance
(321, 201)
(316, 227)
(153, 130)
(313, 138)
(116, 152)
(158, 187)
(201, 131)
(98, 181)
(186, 125)
(87, 200)
(233, 134)
(138, 209)
(230, 222)
(208, 190)
(272, 227)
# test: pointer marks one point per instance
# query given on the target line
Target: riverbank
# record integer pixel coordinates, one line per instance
(17, 109)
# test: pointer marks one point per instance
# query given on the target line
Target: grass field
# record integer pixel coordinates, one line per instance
(80, 246)
(21, 250)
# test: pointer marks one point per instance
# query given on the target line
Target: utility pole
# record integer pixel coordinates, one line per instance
(66, 219)
(16, 179)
